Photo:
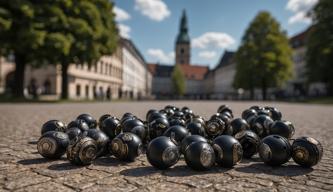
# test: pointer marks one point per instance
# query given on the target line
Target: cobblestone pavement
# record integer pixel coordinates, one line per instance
(23, 169)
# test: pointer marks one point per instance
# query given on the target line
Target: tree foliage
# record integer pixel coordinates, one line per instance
(57, 31)
(178, 80)
(264, 57)
(319, 52)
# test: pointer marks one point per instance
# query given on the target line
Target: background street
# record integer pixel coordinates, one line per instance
(23, 169)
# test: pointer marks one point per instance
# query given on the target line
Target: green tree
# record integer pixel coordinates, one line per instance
(319, 52)
(79, 32)
(178, 81)
(20, 36)
(264, 57)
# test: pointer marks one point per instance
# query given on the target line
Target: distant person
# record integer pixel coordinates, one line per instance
(108, 94)
(33, 88)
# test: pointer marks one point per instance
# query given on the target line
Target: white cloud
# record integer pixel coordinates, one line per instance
(300, 9)
(124, 30)
(161, 56)
(121, 15)
(156, 10)
(207, 54)
(213, 39)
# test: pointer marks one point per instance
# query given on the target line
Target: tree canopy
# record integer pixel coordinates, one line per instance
(264, 56)
(319, 52)
(178, 80)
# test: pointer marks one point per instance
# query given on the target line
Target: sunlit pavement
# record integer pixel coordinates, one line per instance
(23, 169)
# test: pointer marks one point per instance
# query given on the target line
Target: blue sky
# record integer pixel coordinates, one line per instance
(214, 25)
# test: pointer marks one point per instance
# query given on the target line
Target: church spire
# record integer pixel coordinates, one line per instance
(183, 36)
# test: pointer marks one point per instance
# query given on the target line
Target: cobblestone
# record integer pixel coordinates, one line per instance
(23, 169)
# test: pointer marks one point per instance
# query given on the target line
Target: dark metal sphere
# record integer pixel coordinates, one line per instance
(197, 119)
(177, 115)
(255, 107)
(250, 142)
(199, 155)
(52, 144)
(274, 150)
(264, 112)
(190, 139)
(248, 113)
(307, 151)
(126, 146)
(177, 121)
(283, 128)
(111, 127)
(239, 125)
(214, 127)
(126, 115)
(228, 151)
(157, 127)
(102, 118)
(73, 133)
(82, 151)
(151, 111)
(154, 116)
(261, 124)
(82, 125)
(169, 112)
(53, 125)
(196, 129)
(224, 108)
(135, 126)
(92, 123)
(275, 114)
(162, 153)
(177, 133)
(102, 141)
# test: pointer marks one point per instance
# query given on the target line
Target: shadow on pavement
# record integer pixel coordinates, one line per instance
(284, 170)
(33, 142)
(35, 161)
(109, 161)
(176, 171)
(63, 166)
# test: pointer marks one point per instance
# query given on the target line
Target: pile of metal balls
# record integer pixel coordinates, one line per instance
(168, 133)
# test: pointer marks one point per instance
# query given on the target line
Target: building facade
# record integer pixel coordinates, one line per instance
(123, 74)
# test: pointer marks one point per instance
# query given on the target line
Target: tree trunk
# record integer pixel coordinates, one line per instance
(20, 63)
(64, 81)
(264, 89)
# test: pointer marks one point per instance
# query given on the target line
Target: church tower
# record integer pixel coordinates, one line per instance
(183, 48)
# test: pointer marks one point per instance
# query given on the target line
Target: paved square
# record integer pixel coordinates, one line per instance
(23, 169)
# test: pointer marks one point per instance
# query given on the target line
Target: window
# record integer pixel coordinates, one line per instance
(87, 91)
(78, 90)
(182, 51)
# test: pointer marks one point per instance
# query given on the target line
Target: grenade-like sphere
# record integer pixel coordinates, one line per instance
(162, 153)
(199, 155)
(52, 144)
(196, 129)
(274, 150)
(157, 127)
(177, 133)
(53, 125)
(261, 124)
(228, 151)
(102, 141)
(82, 151)
(126, 146)
(82, 125)
(214, 127)
(92, 123)
(250, 142)
(73, 133)
(102, 118)
(239, 125)
(283, 128)
(188, 140)
(307, 151)
(135, 126)
(111, 127)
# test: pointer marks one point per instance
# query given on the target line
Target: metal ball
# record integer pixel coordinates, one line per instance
(155, 116)
(239, 125)
(157, 127)
(307, 151)
(73, 133)
(162, 153)
(283, 128)
(250, 142)
(52, 144)
(82, 125)
(224, 108)
(101, 139)
(214, 128)
(261, 124)
(274, 150)
(92, 123)
(102, 118)
(82, 151)
(126, 146)
(135, 126)
(111, 127)
(189, 140)
(177, 121)
(275, 114)
(248, 113)
(196, 129)
(53, 125)
(177, 133)
(228, 151)
(199, 155)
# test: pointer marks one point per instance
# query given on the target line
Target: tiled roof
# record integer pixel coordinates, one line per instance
(191, 72)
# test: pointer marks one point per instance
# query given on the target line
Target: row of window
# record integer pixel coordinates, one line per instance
(102, 68)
